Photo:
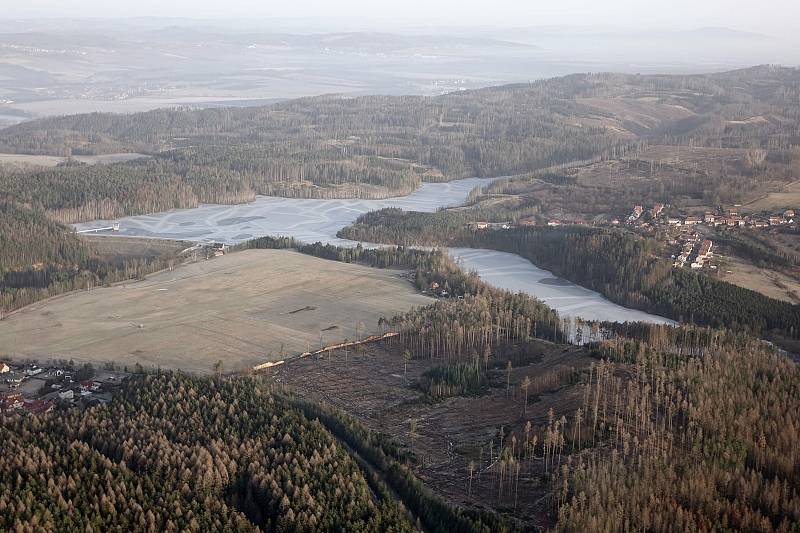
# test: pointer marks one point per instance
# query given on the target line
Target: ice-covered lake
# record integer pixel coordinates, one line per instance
(320, 220)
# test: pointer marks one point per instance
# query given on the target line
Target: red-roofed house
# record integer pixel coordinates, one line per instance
(38, 407)
(657, 209)
(10, 401)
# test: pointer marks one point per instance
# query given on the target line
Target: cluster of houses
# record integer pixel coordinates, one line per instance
(696, 252)
(657, 217)
(12, 402)
(526, 222)
(32, 390)
(489, 225)
(638, 211)
(734, 220)
(16, 375)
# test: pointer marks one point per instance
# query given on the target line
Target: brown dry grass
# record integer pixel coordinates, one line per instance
(768, 282)
(784, 197)
(236, 308)
(52, 160)
(114, 248)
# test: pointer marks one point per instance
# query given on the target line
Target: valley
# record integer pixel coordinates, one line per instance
(599, 333)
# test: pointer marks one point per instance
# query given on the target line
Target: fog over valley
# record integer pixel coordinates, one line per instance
(55, 67)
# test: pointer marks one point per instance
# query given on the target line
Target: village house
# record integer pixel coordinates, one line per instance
(218, 249)
(705, 250)
(527, 221)
(38, 407)
(637, 211)
(33, 371)
(90, 385)
(775, 220)
(553, 222)
(674, 221)
(66, 394)
(657, 209)
(4, 368)
(789, 213)
(14, 378)
(10, 401)
(690, 221)
(709, 218)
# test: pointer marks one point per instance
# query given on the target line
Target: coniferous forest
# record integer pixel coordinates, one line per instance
(176, 453)
(41, 258)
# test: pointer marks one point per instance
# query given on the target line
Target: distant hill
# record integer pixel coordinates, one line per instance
(378, 146)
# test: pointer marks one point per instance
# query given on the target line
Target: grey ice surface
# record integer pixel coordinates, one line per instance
(515, 273)
(320, 220)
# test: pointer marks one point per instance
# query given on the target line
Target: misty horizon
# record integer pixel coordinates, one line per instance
(74, 57)
(772, 17)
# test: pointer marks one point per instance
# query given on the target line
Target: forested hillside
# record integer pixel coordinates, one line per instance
(176, 453)
(636, 440)
(41, 258)
(28, 238)
(376, 146)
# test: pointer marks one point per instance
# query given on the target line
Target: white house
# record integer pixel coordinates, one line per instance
(66, 395)
(34, 371)
(4, 368)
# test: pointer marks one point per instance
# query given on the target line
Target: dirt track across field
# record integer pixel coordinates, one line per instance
(235, 308)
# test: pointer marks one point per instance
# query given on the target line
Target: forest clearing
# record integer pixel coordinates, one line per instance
(236, 308)
(378, 387)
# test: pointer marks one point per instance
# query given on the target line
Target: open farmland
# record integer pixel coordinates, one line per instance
(52, 160)
(244, 309)
(113, 248)
(777, 198)
(767, 281)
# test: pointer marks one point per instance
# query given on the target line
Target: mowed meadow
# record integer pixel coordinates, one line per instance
(244, 309)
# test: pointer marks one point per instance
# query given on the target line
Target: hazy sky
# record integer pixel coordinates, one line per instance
(766, 16)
